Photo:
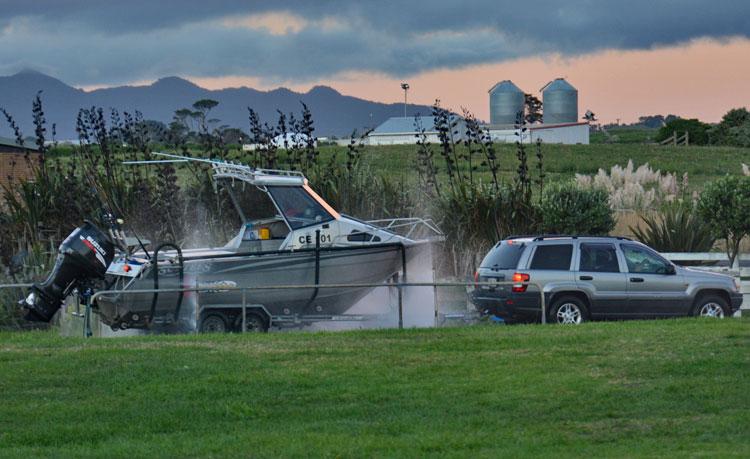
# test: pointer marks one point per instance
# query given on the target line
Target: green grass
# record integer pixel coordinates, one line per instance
(661, 388)
(625, 134)
(562, 162)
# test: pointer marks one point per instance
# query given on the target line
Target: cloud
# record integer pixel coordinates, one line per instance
(117, 42)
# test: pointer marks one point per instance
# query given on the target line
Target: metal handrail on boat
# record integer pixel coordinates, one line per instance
(394, 225)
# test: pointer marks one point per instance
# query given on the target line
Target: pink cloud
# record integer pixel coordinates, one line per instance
(701, 79)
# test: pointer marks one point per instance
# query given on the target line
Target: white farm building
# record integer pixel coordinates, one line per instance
(564, 133)
(406, 131)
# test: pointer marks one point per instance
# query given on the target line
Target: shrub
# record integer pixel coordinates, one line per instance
(569, 209)
(697, 130)
(677, 228)
(725, 204)
(474, 217)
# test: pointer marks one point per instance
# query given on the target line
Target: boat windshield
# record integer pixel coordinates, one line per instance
(299, 208)
(252, 203)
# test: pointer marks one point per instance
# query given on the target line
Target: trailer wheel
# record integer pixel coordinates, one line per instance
(254, 323)
(214, 323)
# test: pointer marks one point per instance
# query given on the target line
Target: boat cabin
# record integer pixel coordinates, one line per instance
(272, 207)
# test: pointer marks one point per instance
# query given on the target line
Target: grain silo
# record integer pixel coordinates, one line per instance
(506, 102)
(560, 101)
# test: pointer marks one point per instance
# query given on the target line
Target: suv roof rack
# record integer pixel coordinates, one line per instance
(554, 236)
(560, 236)
(541, 237)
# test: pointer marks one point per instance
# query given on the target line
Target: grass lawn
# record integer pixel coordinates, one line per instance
(625, 134)
(660, 388)
(562, 162)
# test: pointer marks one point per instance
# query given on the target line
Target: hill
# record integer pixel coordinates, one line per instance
(334, 113)
(658, 388)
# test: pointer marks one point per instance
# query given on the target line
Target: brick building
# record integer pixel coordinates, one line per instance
(16, 162)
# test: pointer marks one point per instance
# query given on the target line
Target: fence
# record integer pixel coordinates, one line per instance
(677, 139)
(244, 306)
(738, 271)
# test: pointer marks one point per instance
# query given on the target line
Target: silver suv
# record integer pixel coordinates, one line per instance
(587, 278)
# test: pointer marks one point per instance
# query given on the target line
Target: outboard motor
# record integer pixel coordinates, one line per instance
(84, 254)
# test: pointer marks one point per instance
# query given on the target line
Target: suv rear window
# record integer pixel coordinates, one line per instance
(504, 256)
(552, 257)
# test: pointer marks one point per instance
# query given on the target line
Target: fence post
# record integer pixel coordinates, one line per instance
(244, 310)
(87, 321)
(400, 307)
(687, 138)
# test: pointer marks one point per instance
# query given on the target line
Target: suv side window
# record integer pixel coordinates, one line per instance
(599, 258)
(555, 257)
(643, 261)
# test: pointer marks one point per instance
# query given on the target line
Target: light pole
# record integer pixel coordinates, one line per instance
(405, 87)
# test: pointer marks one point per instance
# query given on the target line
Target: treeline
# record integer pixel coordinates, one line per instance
(733, 130)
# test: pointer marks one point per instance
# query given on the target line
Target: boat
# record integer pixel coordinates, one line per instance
(288, 236)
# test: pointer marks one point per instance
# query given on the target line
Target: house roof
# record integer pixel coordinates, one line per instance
(6, 142)
(405, 125)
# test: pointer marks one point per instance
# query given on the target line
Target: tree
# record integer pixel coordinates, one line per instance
(202, 109)
(652, 121)
(232, 136)
(725, 204)
(734, 129)
(655, 121)
(533, 109)
(154, 130)
(696, 129)
(182, 116)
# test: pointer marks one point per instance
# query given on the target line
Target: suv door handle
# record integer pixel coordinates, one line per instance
(586, 277)
(636, 279)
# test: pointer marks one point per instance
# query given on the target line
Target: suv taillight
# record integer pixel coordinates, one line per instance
(520, 280)
(476, 278)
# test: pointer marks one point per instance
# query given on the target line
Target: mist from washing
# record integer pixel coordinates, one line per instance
(379, 308)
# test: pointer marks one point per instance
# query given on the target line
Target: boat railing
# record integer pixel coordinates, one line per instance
(409, 227)
(252, 175)
(232, 170)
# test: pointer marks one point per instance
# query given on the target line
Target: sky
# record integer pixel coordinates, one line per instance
(627, 58)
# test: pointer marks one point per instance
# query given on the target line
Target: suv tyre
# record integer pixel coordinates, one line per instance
(710, 306)
(569, 310)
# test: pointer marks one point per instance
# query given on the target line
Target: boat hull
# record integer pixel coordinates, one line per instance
(341, 266)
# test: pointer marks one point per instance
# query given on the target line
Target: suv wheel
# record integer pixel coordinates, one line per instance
(568, 310)
(711, 306)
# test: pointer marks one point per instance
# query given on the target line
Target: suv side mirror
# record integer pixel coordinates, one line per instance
(671, 269)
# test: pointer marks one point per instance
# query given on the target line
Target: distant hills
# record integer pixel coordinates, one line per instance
(333, 113)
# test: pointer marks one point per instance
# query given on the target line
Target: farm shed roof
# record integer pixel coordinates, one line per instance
(404, 125)
(10, 144)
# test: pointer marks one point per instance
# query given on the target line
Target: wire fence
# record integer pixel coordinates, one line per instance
(244, 306)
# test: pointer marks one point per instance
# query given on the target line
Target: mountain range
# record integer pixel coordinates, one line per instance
(333, 112)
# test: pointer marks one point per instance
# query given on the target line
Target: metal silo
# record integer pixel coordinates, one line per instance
(506, 101)
(560, 101)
